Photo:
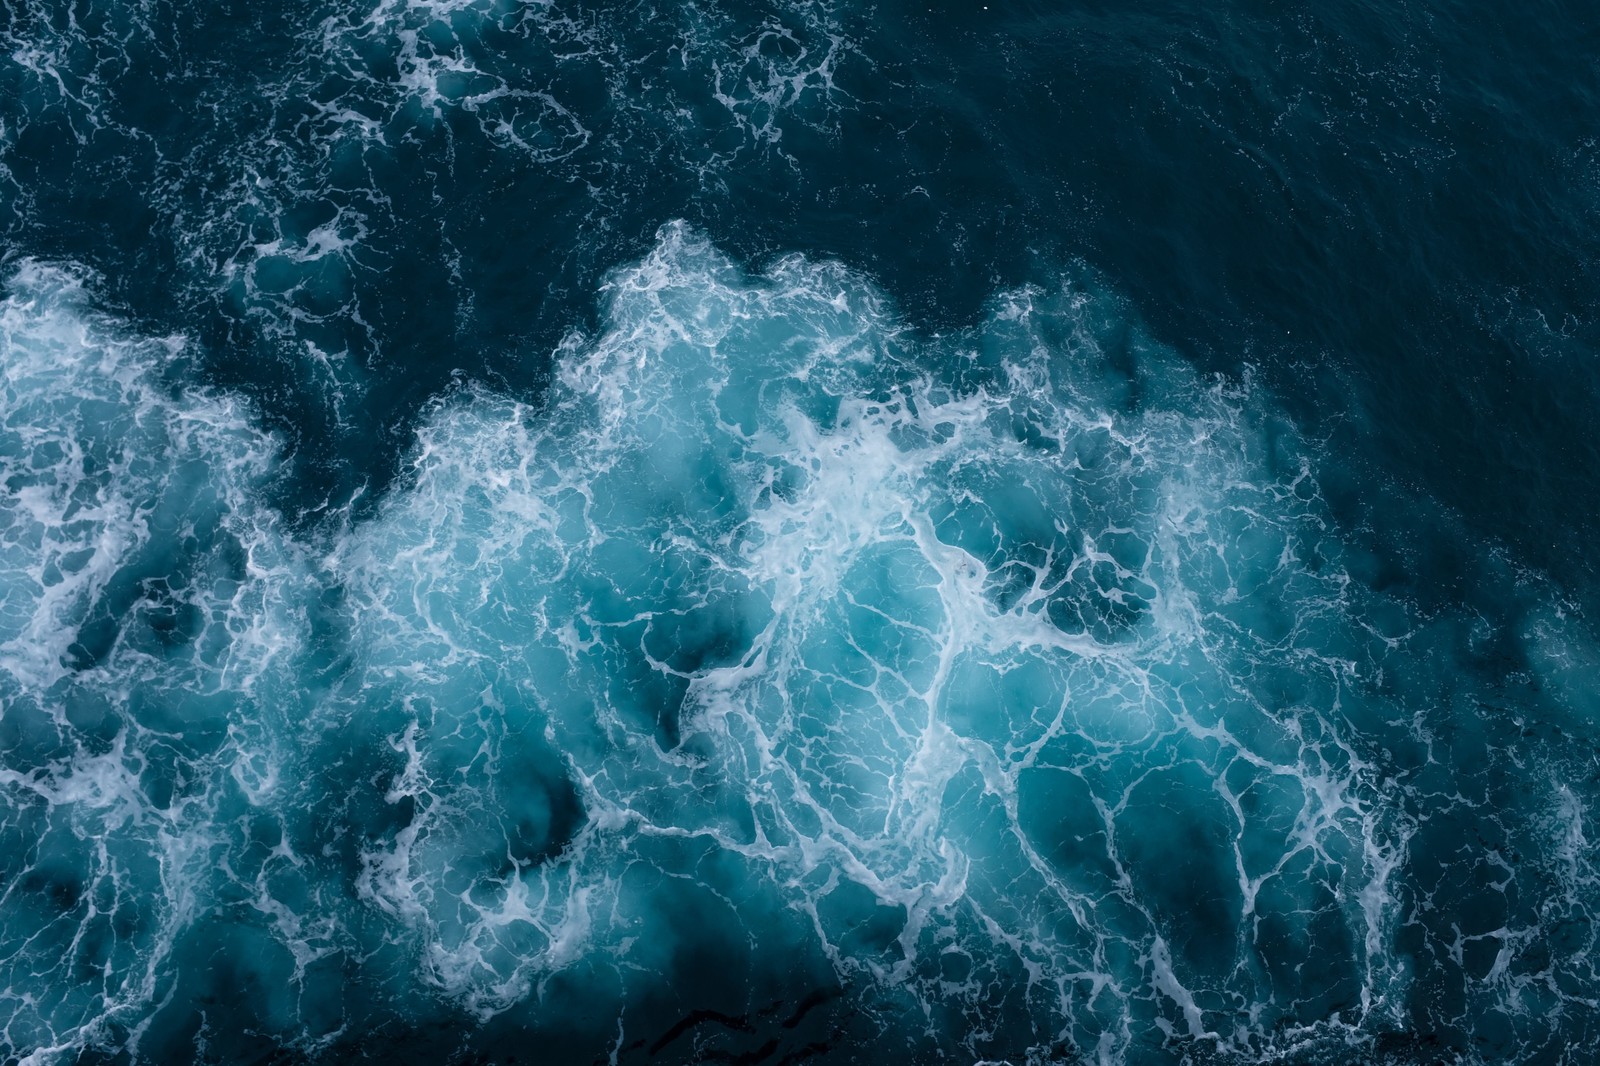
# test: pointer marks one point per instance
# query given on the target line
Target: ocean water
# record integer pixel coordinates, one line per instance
(799, 531)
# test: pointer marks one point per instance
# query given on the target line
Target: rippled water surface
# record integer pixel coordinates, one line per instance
(799, 532)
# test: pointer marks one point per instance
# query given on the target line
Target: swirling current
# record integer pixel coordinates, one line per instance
(798, 531)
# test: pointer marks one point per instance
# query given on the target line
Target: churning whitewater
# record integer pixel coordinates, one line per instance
(1005, 695)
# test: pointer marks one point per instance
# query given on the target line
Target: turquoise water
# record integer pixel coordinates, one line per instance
(530, 533)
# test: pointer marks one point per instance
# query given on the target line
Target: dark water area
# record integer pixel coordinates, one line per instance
(1390, 213)
(792, 531)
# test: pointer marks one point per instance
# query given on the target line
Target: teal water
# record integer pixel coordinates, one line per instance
(545, 533)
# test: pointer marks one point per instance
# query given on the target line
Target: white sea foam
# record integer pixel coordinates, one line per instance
(1017, 679)
(107, 469)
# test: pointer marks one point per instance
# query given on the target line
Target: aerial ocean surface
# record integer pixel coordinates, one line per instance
(799, 531)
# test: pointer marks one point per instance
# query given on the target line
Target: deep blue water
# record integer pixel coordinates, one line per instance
(805, 531)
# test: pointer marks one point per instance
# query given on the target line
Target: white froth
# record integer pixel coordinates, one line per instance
(948, 649)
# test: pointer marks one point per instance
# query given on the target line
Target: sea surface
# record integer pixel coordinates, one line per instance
(799, 531)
